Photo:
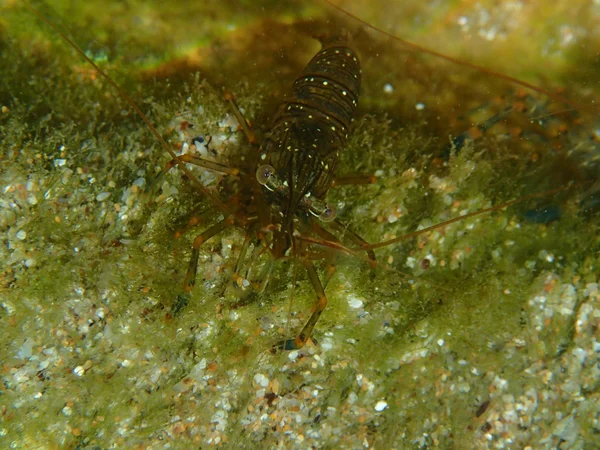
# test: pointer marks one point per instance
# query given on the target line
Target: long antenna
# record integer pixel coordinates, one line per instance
(135, 107)
(464, 216)
(500, 75)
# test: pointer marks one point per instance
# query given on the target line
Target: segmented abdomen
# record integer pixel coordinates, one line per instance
(329, 86)
(312, 125)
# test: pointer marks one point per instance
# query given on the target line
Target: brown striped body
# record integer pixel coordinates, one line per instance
(311, 127)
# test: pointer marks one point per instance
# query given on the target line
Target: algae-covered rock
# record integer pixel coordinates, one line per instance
(479, 334)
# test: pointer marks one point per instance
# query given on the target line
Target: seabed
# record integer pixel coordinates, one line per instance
(481, 334)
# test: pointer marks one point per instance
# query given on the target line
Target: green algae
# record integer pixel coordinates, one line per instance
(92, 259)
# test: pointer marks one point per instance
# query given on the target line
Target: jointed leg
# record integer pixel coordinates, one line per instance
(320, 305)
(238, 280)
(201, 162)
(193, 221)
(323, 233)
(357, 239)
(190, 276)
(242, 281)
(241, 119)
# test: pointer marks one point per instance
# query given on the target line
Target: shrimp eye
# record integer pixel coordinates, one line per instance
(264, 174)
(328, 213)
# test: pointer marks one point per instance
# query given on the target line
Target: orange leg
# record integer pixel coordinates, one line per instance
(322, 232)
(357, 240)
(238, 280)
(319, 307)
(250, 285)
(245, 126)
(195, 219)
(201, 162)
(190, 276)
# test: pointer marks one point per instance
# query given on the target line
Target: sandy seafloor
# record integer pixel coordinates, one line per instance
(483, 334)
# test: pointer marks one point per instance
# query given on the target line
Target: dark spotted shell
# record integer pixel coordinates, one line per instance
(311, 127)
